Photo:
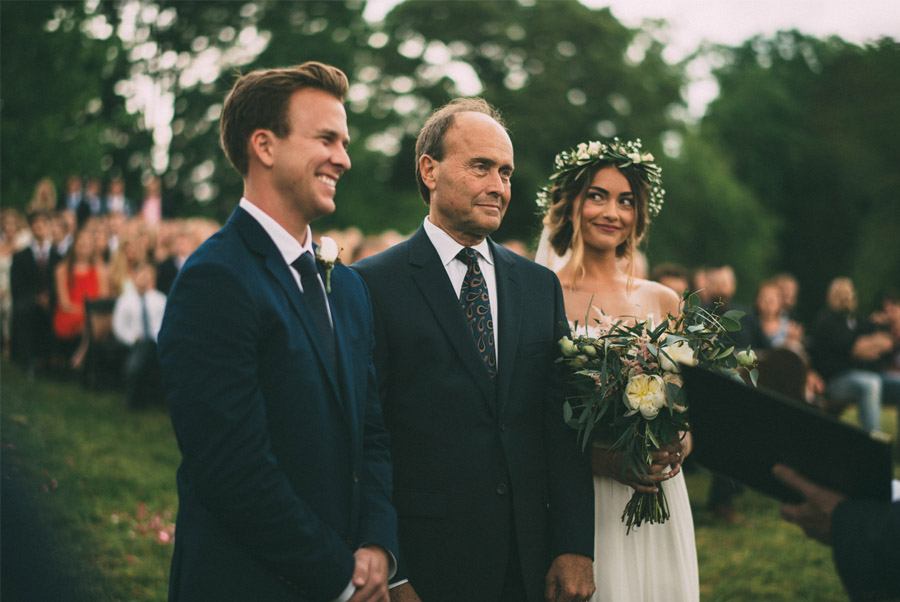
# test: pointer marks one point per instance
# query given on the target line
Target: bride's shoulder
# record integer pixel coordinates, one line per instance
(665, 298)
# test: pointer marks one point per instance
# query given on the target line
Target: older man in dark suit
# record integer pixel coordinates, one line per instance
(284, 486)
(495, 501)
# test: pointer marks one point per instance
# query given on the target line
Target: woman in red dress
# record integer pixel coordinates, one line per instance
(80, 276)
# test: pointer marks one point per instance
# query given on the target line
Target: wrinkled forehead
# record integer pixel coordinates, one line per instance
(478, 134)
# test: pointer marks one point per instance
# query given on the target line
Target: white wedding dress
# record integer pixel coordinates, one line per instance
(653, 563)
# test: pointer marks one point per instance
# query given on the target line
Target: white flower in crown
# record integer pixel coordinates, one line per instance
(634, 157)
(327, 254)
(595, 148)
(582, 153)
(647, 157)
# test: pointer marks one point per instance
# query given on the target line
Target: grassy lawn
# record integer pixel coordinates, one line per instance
(103, 478)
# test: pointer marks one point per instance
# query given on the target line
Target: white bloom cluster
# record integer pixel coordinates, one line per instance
(569, 163)
(646, 393)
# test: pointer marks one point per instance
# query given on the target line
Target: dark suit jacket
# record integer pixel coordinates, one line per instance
(31, 324)
(285, 464)
(866, 540)
(165, 275)
(476, 462)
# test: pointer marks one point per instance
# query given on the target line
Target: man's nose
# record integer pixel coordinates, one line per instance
(341, 157)
(497, 184)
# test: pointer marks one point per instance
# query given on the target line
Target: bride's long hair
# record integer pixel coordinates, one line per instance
(563, 219)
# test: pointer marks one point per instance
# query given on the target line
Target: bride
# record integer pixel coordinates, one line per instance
(598, 207)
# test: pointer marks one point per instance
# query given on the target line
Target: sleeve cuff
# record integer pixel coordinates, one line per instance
(347, 593)
(401, 582)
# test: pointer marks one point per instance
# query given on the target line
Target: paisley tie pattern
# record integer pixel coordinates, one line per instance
(476, 304)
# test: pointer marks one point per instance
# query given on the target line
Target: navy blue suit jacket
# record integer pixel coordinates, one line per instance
(285, 465)
(479, 464)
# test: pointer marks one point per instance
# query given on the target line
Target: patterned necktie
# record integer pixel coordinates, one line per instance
(474, 300)
(314, 299)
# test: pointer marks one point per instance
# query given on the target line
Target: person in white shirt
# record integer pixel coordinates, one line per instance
(137, 317)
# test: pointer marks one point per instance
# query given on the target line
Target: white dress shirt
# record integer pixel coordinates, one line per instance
(290, 248)
(447, 248)
(127, 321)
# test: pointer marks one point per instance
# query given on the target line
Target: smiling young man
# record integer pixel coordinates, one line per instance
(284, 485)
(494, 500)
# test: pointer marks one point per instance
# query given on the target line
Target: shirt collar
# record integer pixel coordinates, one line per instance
(448, 248)
(287, 245)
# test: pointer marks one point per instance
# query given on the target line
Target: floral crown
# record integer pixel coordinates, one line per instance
(572, 164)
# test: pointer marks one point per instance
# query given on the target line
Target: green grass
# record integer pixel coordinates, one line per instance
(104, 479)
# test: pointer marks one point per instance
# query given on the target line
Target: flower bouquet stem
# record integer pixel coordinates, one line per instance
(646, 507)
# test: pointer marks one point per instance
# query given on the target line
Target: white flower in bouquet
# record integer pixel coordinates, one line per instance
(567, 347)
(746, 358)
(676, 353)
(646, 393)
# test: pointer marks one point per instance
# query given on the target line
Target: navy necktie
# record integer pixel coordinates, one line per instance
(315, 301)
(476, 303)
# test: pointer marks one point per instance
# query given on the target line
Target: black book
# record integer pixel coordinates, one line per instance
(742, 432)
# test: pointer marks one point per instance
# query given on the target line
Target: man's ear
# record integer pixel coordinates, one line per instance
(428, 168)
(261, 147)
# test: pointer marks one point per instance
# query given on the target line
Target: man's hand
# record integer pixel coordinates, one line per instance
(404, 593)
(813, 515)
(370, 575)
(570, 579)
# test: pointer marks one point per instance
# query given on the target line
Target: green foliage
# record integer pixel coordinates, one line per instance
(810, 127)
(712, 218)
(61, 114)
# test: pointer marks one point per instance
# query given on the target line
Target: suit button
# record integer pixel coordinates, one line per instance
(355, 477)
(503, 427)
(501, 489)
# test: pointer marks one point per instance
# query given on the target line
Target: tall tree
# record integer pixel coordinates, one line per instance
(60, 114)
(811, 128)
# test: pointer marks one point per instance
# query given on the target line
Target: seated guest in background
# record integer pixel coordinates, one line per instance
(790, 290)
(135, 247)
(30, 290)
(183, 245)
(91, 203)
(44, 197)
(81, 276)
(887, 320)
(9, 233)
(62, 231)
(151, 206)
(116, 201)
(700, 283)
(846, 351)
(769, 325)
(673, 275)
(74, 194)
(136, 320)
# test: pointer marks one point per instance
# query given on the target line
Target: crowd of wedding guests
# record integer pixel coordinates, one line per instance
(94, 253)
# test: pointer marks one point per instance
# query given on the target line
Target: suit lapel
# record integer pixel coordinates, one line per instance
(343, 360)
(509, 308)
(257, 239)
(431, 278)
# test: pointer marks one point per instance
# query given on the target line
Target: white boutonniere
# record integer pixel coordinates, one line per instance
(327, 254)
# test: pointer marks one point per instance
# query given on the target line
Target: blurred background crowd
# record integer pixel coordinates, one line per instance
(84, 275)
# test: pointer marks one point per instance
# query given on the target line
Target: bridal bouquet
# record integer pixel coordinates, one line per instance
(623, 386)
